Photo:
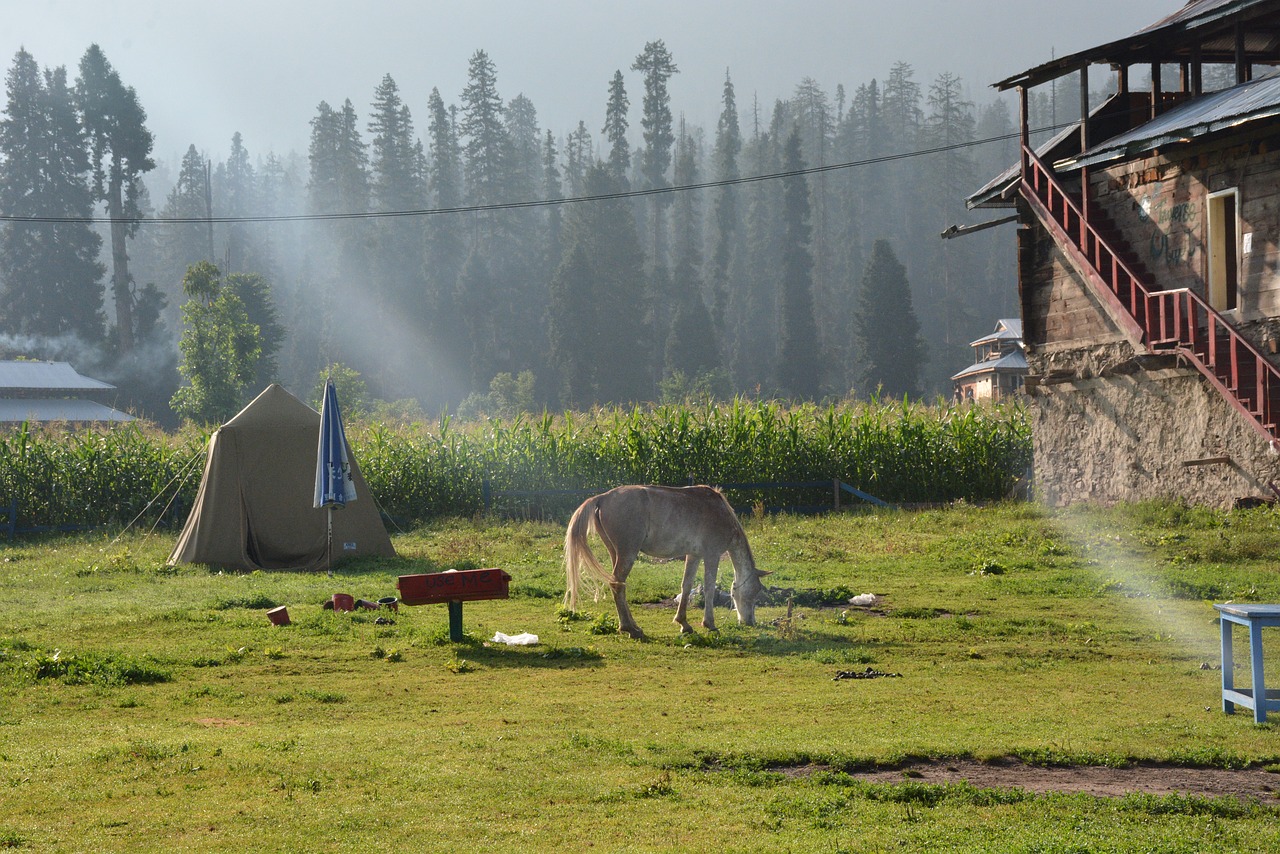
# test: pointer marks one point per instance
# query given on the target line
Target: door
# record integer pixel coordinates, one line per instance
(1224, 250)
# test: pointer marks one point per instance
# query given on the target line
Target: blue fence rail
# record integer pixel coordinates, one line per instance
(539, 499)
(9, 523)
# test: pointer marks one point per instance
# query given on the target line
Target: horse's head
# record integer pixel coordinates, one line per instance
(747, 590)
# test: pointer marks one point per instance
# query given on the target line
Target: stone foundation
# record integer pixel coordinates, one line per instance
(1109, 427)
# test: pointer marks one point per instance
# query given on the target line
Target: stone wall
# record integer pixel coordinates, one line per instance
(1140, 429)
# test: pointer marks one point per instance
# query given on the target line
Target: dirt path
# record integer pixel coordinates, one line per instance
(1147, 778)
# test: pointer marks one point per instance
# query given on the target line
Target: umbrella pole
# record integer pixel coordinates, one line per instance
(328, 542)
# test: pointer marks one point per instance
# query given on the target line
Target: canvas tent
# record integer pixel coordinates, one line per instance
(255, 509)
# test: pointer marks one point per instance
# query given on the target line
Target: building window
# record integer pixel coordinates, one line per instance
(1224, 249)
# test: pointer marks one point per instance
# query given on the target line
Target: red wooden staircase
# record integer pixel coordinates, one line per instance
(1180, 320)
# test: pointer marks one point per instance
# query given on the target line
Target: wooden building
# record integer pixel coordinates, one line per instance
(1149, 263)
(999, 366)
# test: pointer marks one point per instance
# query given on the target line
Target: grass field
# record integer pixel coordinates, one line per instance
(148, 708)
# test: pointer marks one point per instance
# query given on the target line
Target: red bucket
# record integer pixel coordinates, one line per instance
(279, 616)
(344, 602)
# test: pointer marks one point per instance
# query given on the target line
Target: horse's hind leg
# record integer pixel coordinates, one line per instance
(622, 564)
(686, 590)
(709, 592)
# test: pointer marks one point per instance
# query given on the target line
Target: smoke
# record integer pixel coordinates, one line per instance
(83, 355)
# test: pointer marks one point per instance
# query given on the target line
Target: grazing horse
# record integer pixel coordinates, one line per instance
(693, 522)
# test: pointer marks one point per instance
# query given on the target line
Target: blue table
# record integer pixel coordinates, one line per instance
(1255, 618)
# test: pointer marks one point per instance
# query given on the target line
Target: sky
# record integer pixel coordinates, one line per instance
(206, 70)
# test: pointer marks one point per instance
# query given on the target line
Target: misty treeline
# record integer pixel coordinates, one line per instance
(440, 253)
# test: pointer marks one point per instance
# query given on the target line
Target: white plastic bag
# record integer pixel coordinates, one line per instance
(525, 639)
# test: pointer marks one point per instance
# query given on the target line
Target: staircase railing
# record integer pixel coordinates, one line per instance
(1179, 320)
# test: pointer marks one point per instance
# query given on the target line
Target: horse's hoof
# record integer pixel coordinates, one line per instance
(634, 634)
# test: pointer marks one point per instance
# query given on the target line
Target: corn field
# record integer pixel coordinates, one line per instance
(899, 452)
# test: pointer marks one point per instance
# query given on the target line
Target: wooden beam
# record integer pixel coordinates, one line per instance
(1207, 461)
(1155, 89)
(1197, 72)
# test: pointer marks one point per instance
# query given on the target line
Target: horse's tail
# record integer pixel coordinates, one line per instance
(578, 554)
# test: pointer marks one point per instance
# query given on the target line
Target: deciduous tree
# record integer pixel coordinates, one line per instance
(220, 348)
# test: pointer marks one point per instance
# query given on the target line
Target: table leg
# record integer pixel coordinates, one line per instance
(1228, 675)
(1255, 662)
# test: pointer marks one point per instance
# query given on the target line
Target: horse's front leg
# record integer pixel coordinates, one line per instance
(709, 592)
(686, 590)
(626, 623)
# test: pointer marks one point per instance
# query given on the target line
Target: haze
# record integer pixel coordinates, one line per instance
(206, 70)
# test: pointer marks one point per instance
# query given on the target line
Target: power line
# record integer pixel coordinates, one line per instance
(538, 203)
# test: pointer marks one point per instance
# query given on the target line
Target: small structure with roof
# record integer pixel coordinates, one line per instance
(999, 365)
(54, 391)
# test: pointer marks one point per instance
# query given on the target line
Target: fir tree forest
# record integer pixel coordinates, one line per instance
(457, 255)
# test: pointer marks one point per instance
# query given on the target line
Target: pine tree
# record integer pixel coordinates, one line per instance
(50, 278)
(889, 334)
(182, 244)
(578, 158)
(615, 128)
(574, 331)
(725, 207)
(483, 132)
(446, 252)
(120, 153)
(519, 260)
(239, 198)
(657, 66)
(812, 112)
(397, 183)
(799, 370)
(552, 190)
(754, 303)
(691, 349)
(953, 175)
(605, 232)
(524, 169)
(485, 351)
(338, 183)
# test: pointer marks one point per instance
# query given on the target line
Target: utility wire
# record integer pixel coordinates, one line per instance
(539, 203)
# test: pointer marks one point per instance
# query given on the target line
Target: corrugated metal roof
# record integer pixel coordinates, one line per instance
(52, 376)
(1006, 330)
(1254, 101)
(1163, 40)
(1199, 12)
(1013, 361)
(16, 410)
(996, 192)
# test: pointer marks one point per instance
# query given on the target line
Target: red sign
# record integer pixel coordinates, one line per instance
(468, 585)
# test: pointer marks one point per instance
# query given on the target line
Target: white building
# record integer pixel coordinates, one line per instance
(53, 391)
(999, 368)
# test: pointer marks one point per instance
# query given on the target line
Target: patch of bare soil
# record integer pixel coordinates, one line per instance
(1146, 778)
